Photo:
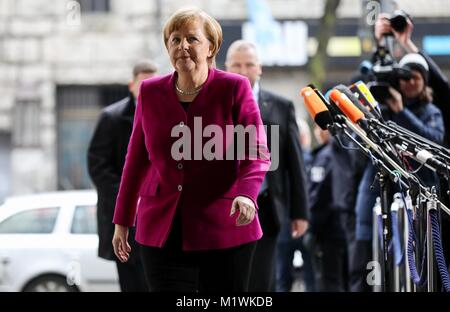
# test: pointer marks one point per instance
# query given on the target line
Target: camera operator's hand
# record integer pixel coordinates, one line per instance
(383, 27)
(404, 38)
(395, 102)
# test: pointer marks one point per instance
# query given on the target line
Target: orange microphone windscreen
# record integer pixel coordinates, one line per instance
(346, 106)
(316, 108)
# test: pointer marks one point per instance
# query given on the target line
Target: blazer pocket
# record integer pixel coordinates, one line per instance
(148, 188)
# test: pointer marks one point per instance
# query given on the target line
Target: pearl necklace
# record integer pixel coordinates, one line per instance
(188, 92)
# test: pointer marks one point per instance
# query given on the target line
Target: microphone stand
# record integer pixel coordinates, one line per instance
(411, 137)
(416, 188)
(384, 174)
(394, 127)
(406, 175)
(386, 224)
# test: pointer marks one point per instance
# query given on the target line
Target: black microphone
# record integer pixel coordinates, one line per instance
(317, 108)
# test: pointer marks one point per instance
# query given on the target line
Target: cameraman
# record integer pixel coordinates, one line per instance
(436, 80)
(441, 97)
(411, 106)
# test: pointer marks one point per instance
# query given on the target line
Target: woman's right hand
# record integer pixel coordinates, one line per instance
(120, 243)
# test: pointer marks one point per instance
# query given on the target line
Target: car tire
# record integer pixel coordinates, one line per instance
(49, 283)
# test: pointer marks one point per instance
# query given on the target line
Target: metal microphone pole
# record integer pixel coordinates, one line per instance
(376, 248)
(431, 265)
(384, 174)
(394, 164)
(386, 226)
(420, 229)
(410, 137)
(410, 286)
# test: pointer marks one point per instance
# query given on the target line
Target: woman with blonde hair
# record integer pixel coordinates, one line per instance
(196, 219)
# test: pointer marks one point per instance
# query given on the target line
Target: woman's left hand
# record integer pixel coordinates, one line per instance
(246, 209)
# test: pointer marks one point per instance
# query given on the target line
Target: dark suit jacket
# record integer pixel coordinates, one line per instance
(287, 184)
(106, 158)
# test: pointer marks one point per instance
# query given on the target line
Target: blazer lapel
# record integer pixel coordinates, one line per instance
(127, 113)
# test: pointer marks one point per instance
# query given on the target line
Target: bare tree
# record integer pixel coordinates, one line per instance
(317, 64)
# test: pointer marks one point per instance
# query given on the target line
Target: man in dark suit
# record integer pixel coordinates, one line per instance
(106, 157)
(283, 194)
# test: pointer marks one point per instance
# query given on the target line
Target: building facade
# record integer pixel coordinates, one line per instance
(62, 61)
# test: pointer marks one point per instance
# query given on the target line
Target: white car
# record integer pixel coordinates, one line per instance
(48, 242)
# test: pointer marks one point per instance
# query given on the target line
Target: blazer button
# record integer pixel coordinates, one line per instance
(180, 166)
(181, 123)
(180, 187)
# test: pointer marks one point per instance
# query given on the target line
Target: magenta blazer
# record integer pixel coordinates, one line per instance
(154, 185)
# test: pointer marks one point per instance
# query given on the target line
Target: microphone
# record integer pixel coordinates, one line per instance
(355, 100)
(349, 110)
(366, 98)
(357, 117)
(425, 157)
(316, 108)
(332, 108)
(422, 156)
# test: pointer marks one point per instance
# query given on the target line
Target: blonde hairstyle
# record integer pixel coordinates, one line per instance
(211, 27)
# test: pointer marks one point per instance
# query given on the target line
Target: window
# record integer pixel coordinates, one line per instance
(36, 221)
(94, 5)
(78, 110)
(84, 220)
(26, 127)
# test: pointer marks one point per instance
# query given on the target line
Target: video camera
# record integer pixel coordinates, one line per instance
(385, 71)
(399, 21)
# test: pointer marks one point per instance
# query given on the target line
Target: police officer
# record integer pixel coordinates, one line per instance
(325, 239)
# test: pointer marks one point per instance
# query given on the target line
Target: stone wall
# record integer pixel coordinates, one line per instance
(42, 45)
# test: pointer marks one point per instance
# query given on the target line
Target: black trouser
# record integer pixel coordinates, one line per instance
(328, 257)
(131, 273)
(173, 270)
(263, 273)
(348, 225)
(262, 276)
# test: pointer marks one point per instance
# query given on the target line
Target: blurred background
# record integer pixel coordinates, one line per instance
(62, 61)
